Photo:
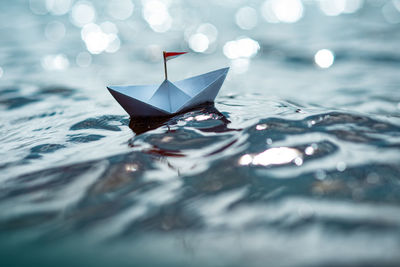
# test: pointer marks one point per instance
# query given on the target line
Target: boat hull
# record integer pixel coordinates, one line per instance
(169, 98)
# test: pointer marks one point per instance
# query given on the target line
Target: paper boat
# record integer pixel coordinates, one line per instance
(169, 98)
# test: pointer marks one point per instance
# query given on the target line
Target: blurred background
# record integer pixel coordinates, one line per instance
(122, 41)
(296, 165)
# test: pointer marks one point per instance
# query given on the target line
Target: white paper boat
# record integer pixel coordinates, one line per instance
(169, 98)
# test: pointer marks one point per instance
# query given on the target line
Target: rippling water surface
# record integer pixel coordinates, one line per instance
(294, 165)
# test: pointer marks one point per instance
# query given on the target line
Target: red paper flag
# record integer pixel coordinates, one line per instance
(171, 55)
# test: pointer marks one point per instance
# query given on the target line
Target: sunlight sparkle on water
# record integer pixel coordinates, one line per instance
(309, 150)
(203, 117)
(245, 159)
(273, 156)
(324, 58)
(131, 167)
(261, 127)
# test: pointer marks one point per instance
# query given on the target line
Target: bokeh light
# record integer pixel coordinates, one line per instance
(82, 13)
(396, 4)
(332, 7)
(198, 42)
(1, 72)
(268, 13)
(244, 47)
(337, 7)
(246, 18)
(120, 9)
(208, 30)
(55, 62)
(324, 58)
(109, 27)
(353, 6)
(156, 14)
(97, 40)
(391, 12)
(114, 43)
(286, 11)
(38, 7)
(58, 7)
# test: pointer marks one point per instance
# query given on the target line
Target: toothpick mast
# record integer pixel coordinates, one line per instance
(169, 55)
(165, 65)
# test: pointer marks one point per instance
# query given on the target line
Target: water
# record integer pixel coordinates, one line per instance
(294, 165)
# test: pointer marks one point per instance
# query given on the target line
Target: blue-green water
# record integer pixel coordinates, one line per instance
(296, 164)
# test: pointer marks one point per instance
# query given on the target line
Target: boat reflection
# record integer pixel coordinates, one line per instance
(141, 125)
(199, 117)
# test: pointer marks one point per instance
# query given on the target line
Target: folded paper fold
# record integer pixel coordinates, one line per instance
(169, 98)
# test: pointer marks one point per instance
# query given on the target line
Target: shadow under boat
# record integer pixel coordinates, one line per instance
(140, 125)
